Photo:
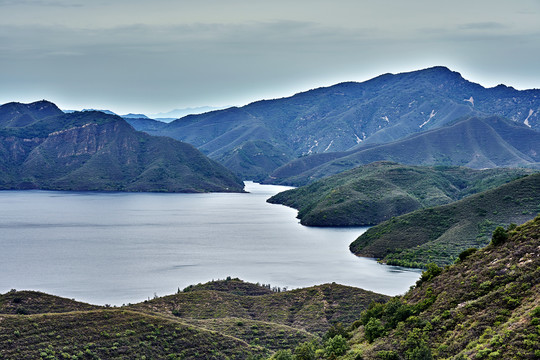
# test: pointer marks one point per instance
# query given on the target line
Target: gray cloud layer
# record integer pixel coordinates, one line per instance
(140, 56)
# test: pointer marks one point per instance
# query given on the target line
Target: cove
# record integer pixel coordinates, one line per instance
(119, 248)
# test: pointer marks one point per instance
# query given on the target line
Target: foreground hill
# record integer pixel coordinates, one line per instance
(440, 233)
(370, 194)
(487, 306)
(312, 309)
(477, 143)
(257, 138)
(220, 319)
(43, 148)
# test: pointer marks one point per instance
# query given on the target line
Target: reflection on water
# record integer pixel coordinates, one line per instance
(120, 248)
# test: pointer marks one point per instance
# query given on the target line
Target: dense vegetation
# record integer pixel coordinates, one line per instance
(216, 320)
(370, 194)
(487, 306)
(441, 233)
(344, 116)
(477, 143)
(43, 148)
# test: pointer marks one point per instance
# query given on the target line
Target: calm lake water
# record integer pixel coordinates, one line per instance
(116, 248)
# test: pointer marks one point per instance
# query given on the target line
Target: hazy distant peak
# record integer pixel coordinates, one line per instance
(109, 112)
(134, 116)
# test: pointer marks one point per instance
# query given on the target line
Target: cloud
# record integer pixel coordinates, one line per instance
(40, 3)
(489, 25)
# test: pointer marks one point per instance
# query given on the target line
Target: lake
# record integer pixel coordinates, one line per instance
(119, 248)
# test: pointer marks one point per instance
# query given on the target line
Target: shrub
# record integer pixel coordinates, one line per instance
(305, 351)
(373, 329)
(466, 253)
(335, 347)
(499, 236)
(432, 271)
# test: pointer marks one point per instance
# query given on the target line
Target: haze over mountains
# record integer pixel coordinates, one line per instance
(256, 139)
(43, 148)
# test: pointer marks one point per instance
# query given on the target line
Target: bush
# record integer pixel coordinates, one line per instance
(305, 351)
(499, 236)
(373, 329)
(432, 271)
(335, 347)
(466, 253)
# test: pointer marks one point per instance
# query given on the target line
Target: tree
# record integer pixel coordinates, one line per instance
(335, 347)
(373, 329)
(499, 236)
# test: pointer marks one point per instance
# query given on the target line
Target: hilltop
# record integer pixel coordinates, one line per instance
(43, 148)
(439, 234)
(370, 194)
(225, 318)
(255, 139)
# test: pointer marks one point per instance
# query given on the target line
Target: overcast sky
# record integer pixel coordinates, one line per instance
(153, 56)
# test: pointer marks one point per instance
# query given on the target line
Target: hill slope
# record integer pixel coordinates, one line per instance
(477, 143)
(312, 309)
(220, 319)
(485, 307)
(440, 233)
(340, 117)
(370, 194)
(95, 151)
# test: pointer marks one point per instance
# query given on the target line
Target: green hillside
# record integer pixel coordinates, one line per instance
(94, 151)
(370, 194)
(440, 233)
(487, 306)
(217, 320)
(312, 309)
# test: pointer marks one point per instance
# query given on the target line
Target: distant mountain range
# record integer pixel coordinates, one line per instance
(256, 139)
(474, 142)
(41, 147)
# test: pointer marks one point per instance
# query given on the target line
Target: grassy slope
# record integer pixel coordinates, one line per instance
(439, 234)
(214, 320)
(112, 334)
(313, 309)
(485, 307)
(370, 194)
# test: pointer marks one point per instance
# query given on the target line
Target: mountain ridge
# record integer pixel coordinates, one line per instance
(92, 150)
(343, 116)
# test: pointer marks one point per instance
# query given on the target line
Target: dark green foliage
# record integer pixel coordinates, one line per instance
(373, 329)
(441, 233)
(305, 351)
(335, 347)
(370, 194)
(431, 271)
(335, 330)
(466, 253)
(499, 236)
